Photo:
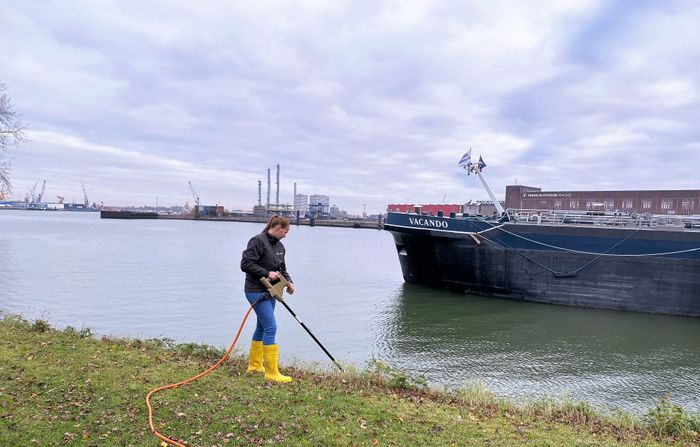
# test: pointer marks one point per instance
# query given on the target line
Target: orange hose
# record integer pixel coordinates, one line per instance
(191, 379)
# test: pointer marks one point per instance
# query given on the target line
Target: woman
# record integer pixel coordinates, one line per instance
(264, 257)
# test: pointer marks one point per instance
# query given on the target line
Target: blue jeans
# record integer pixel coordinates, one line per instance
(266, 328)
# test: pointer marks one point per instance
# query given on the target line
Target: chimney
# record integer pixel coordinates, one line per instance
(277, 196)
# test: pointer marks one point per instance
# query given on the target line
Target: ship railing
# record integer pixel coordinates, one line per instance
(601, 218)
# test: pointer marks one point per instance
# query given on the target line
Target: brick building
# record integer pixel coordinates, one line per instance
(680, 202)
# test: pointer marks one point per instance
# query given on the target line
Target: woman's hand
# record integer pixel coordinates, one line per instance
(274, 276)
(290, 288)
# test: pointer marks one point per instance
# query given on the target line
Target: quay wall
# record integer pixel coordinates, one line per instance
(376, 225)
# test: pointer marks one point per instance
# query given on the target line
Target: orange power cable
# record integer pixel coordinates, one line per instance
(191, 379)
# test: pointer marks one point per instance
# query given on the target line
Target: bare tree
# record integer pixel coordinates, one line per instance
(11, 128)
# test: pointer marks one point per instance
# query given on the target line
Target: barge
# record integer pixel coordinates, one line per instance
(622, 262)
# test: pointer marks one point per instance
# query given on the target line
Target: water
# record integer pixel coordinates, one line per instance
(181, 280)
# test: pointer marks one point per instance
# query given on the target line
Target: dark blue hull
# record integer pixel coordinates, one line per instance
(637, 269)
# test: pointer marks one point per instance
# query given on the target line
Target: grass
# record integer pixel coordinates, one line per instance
(68, 388)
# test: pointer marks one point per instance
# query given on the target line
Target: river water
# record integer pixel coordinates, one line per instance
(181, 280)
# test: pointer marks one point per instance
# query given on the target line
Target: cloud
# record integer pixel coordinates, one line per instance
(368, 103)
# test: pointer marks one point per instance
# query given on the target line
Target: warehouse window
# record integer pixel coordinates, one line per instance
(627, 204)
(573, 204)
(646, 204)
(666, 204)
(688, 206)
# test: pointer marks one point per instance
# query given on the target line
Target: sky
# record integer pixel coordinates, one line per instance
(367, 102)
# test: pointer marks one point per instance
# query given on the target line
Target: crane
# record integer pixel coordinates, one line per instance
(85, 197)
(41, 194)
(194, 194)
(31, 194)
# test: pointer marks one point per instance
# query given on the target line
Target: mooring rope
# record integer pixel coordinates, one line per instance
(544, 244)
(572, 272)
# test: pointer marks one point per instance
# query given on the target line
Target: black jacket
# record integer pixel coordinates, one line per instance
(264, 254)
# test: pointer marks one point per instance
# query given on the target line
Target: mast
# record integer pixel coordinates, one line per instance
(466, 163)
(496, 203)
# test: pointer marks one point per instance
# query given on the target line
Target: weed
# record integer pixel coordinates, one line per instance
(200, 351)
(40, 326)
(666, 419)
(476, 395)
(394, 377)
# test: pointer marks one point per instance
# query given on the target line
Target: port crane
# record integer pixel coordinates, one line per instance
(195, 196)
(30, 193)
(85, 197)
(41, 194)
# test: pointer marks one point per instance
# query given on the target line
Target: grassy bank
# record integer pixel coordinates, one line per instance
(68, 388)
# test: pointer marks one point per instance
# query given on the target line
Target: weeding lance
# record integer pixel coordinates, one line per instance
(276, 291)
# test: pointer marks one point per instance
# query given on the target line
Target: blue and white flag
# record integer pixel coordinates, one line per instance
(482, 165)
(466, 159)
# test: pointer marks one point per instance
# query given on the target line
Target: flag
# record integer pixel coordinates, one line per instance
(466, 159)
(482, 165)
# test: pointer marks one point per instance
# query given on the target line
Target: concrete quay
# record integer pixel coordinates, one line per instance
(374, 225)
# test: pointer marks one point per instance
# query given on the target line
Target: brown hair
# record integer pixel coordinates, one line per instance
(276, 220)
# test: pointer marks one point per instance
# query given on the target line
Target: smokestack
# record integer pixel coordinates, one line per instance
(259, 192)
(277, 196)
(268, 187)
(294, 201)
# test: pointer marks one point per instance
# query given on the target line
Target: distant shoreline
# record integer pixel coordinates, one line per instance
(131, 215)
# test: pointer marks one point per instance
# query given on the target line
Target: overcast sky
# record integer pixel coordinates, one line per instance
(367, 102)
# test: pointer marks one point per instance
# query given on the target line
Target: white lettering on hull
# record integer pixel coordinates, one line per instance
(431, 223)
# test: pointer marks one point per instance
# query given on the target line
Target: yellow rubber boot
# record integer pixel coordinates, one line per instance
(255, 357)
(272, 372)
